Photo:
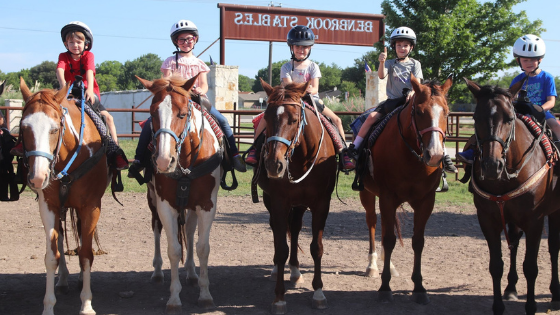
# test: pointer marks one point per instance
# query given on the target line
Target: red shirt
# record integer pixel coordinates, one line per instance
(72, 68)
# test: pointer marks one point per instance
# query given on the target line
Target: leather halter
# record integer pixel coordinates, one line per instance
(419, 133)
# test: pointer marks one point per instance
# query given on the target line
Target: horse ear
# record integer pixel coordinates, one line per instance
(62, 93)
(514, 89)
(190, 82)
(24, 89)
(266, 87)
(473, 86)
(447, 84)
(415, 83)
(2, 87)
(146, 83)
(304, 88)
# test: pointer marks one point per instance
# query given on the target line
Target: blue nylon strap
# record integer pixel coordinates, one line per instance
(279, 139)
(39, 153)
(169, 131)
(64, 172)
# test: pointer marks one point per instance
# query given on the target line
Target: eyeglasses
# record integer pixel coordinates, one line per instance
(186, 39)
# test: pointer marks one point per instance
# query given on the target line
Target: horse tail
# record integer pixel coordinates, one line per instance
(181, 237)
(75, 223)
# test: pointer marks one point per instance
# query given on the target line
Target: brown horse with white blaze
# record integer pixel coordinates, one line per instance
(405, 166)
(182, 193)
(299, 173)
(50, 130)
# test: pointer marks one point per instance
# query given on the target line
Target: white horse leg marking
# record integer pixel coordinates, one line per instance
(295, 275)
(190, 228)
(205, 219)
(394, 271)
(51, 262)
(372, 270)
(165, 112)
(86, 290)
(157, 262)
(168, 217)
(62, 283)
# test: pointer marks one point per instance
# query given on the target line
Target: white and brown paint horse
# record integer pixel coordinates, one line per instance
(186, 158)
(50, 130)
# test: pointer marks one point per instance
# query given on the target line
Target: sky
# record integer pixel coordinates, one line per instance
(124, 30)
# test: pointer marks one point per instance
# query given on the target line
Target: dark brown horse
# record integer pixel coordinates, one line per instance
(407, 168)
(50, 129)
(298, 172)
(513, 185)
(183, 192)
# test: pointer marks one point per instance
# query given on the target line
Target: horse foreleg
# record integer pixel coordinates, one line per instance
(368, 202)
(422, 212)
(295, 220)
(52, 255)
(157, 261)
(88, 222)
(388, 209)
(510, 293)
(190, 228)
(205, 219)
(62, 283)
(168, 217)
(492, 228)
(319, 218)
(278, 223)
(530, 266)
(553, 248)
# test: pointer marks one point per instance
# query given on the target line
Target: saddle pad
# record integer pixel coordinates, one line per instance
(380, 126)
(536, 131)
(213, 123)
(331, 129)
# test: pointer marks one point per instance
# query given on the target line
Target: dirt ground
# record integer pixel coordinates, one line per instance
(455, 264)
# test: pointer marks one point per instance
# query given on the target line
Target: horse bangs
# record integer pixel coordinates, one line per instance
(175, 83)
(46, 97)
(490, 91)
(289, 92)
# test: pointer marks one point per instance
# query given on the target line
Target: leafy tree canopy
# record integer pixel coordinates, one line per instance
(146, 66)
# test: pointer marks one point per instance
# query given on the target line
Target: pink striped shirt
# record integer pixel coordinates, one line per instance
(188, 67)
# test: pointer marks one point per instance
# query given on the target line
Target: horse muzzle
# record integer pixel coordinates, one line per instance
(38, 181)
(275, 168)
(165, 163)
(491, 168)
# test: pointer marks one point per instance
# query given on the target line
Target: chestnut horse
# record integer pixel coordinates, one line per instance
(187, 177)
(299, 173)
(513, 184)
(406, 162)
(52, 134)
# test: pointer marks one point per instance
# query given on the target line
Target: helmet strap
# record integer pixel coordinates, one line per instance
(176, 53)
(298, 60)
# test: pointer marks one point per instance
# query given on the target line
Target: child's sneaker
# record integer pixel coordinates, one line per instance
(17, 150)
(448, 165)
(120, 163)
(239, 164)
(466, 156)
(251, 158)
(347, 163)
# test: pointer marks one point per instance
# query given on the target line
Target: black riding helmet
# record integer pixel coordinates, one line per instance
(77, 26)
(300, 35)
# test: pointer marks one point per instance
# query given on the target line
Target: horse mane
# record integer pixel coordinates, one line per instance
(289, 92)
(490, 91)
(433, 84)
(46, 97)
(173, 83)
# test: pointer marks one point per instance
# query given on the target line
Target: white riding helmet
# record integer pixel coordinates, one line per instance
(183, 26)
(529, 46)
(77, 26)
(403, 32)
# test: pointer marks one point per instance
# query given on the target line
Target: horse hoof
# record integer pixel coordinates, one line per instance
(192, 281)
(157, 278)
(510, 296)
(206, 303)
(173, 309)
(385, 296)
(279, 308)
(63, 289)
(372, 273)
(88, 312)
(420, 298)
(296, 280)
(554, 305)
(319, 304)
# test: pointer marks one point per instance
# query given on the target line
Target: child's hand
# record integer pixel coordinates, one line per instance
(90, 96)
(409, 96)
(196, 90)
(383, 55)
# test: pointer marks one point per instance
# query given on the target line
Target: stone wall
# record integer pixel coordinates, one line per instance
(223, 88)
(376, 90)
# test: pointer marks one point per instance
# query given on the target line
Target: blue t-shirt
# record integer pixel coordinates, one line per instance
(538, 88)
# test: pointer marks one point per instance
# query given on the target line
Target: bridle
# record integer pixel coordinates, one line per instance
(419, 133)
(302, 122)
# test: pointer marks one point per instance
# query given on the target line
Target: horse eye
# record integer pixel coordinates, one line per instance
(181, 116)
(54, 131)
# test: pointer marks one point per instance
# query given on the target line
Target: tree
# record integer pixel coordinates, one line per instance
(263, 73)
(146, 66)
(44, 73)
(108, 74)
(466, 38)
(245, 83)
(330, 77)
